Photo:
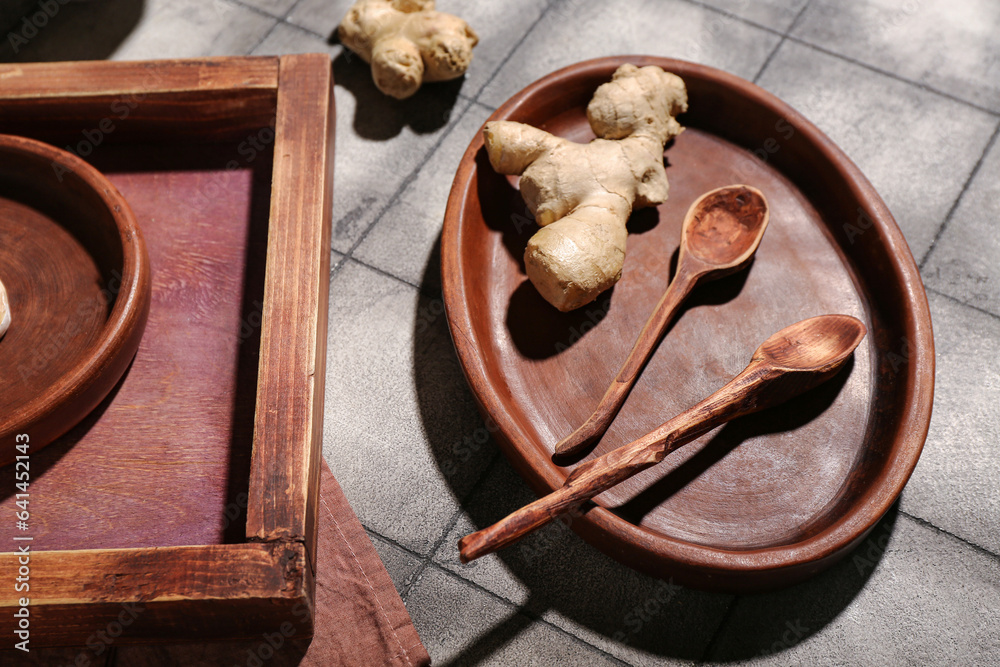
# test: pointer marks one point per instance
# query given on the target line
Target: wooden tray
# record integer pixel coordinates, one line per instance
(189, 494)
(765, 501)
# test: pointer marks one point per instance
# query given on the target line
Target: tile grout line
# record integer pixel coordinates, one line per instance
(278, 20)
(894, 76)
(483, 105)
(296, 26)
(384, 538)
(255, 10)
(784, 37)
(387, 275)
(337, 267)
(954, 206)
(410, 178)
(513, 50)
(426, 560)
(527, 613)
(741, 19)
(429, 558)
(716, 636)
(263, 39)
(954, 299)
(295, 5)
(264, 12)
(927, 524)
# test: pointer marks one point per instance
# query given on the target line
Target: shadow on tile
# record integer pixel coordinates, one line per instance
(379, 117)
(570, 584)
(489, 643)
(770, 623)
(102, 26)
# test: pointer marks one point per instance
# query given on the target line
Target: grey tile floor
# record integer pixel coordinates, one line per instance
(910, 90)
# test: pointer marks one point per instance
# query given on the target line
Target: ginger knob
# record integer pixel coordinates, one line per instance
(407, 43)
(583, 194)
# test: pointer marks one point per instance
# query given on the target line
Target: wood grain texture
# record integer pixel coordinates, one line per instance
(771, 498)
(284, 479)
(152, 489)
(209, 98)
(77, 276)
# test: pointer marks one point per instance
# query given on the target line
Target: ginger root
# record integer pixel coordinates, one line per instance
(583, 194)
(407, 43)
(4, 311)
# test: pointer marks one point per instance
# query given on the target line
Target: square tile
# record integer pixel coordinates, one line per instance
(276, 8)
(965, 262)
(917, 148)
(949, 45)
(573, 30)
(909, 596)
(405, 242)
(402, 434)
(131, 30)
(955, 482)
(775, 14)
(399, 563)
(381, 143)
(461, 625)
(286, 39)
(499, 25)
(554, 574)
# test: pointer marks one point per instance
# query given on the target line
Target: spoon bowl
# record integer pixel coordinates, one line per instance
(813, 345)
(724, 227)
(721, 233)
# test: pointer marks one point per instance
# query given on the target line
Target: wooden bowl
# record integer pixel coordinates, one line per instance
(767, 500)
(75, 267)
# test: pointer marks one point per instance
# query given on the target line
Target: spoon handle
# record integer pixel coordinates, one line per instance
(595, 476)
(586, 436)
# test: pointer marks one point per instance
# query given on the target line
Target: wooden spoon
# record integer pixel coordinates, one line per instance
(795, 359)
(721, 232)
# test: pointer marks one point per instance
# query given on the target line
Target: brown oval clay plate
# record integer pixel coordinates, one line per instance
(77, 277)
(767, 500)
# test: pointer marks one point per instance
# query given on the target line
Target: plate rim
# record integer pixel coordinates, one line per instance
(60, 406)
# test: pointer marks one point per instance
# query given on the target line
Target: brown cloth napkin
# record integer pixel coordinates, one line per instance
(360, 619)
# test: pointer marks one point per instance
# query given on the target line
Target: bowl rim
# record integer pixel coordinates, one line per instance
(728, 569)
(80, 389)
